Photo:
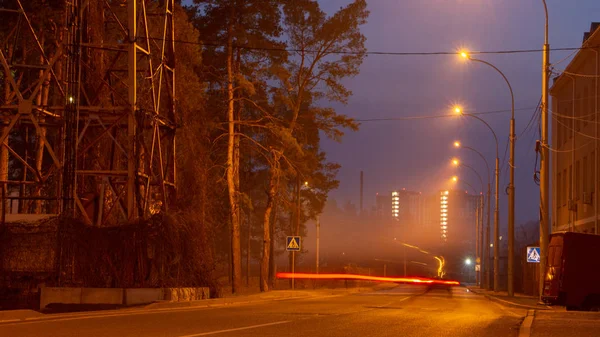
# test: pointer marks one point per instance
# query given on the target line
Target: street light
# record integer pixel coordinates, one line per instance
(478, 244)
(456, 162)
(511, 186)
(496, 204)
(468, 262)
(545, 161)
(318, 237)
(485, 245)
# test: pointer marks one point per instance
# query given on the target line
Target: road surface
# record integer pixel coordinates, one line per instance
(403, 311)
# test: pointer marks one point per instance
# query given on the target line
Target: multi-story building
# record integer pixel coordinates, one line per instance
(457, 217)
(401, 205)
(575, 140)
(383, 206)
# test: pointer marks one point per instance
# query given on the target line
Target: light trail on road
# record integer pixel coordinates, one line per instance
(416, 280)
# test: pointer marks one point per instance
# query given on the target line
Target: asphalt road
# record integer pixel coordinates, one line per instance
(402, 311)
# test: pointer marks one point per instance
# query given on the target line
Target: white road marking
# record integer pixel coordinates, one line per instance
(235, 329)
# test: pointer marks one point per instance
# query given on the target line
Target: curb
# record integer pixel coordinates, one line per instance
(525, 330)
(509, 303)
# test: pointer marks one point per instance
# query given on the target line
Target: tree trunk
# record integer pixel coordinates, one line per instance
(248, 252)
(273, 184)
(236, 259)
(272, 245)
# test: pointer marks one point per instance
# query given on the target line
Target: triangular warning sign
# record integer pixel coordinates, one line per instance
(293, 244)
(533, 255)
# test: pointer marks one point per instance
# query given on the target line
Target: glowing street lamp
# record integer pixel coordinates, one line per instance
(511, 186)
(468, 262)
(455, 178)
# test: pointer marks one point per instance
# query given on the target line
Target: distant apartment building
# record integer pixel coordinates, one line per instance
(457, 217)
(575, 134)
(407, 207)
(383, 206)
(403, 206)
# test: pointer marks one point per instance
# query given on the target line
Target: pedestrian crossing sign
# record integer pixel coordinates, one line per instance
(292, 244)
(533, 254)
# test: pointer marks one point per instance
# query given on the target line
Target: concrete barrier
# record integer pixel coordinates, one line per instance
(101, 296)
(143, 295)
(51, 295)
(130, 296)
(186, 294)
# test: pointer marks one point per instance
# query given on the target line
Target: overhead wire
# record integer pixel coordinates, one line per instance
(346, 52)
(567, 151)
(571, 129)
(564, 58)
(404, 118)
(558, 73)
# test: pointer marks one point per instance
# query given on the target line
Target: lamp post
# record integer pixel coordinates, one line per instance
(496, 201)
(511, 185)
(479, 244)
(545, 160)
(477, 210)
(485, 243)
(318, 230)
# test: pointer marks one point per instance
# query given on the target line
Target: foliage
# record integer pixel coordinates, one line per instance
(253, 80)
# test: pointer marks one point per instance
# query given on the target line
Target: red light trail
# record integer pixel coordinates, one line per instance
(416, 280)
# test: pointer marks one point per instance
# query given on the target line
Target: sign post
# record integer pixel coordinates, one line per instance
(292, 244)
(533, 254)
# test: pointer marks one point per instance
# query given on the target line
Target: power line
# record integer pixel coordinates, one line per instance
(346, 52)
(435, 116)
(533, 117)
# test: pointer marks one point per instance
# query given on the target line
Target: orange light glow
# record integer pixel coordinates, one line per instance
(457, 110)
(415, 280)
(464, 55)
(456, 144)
(455, 178)
(455, 162)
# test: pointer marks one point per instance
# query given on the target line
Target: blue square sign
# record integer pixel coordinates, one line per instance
(533, 254)
(292, 244)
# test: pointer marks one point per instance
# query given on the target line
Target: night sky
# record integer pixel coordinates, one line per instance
(416, 154)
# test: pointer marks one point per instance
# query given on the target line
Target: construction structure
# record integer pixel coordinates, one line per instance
(88, 109)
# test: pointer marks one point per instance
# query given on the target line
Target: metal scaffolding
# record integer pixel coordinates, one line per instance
(88, 109)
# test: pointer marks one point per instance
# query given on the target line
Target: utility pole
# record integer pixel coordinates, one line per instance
(486, 242)
(361, 192)
(477, 255)
(497, 230)
(545, 160)
(404, 248)
(511, 208)
(318, 241)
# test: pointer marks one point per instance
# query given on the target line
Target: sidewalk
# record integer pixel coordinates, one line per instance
(17, 315)
(519, 300)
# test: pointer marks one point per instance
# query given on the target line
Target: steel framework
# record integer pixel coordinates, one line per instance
(88, 108)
